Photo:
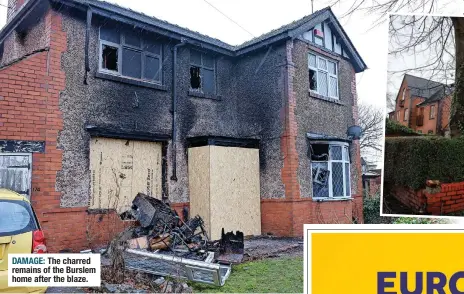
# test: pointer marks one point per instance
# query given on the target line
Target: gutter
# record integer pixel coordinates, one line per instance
(174, 108)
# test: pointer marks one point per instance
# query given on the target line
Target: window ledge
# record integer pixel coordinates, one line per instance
(327, 199)
(130, 81)
(325, 98)
(198, 94)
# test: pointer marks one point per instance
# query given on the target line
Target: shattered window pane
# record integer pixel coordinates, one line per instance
(110, 34)
(208, 81)
(312, 80)
(320, 175)
(337, 179)
(152, 68)
(320, 152)
(110, 58)
(330, 170)
(195, 79)
(132, 63)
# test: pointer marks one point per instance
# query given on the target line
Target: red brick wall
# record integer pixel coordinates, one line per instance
(447, 199)
(445, 112)
(410, 198)
(29, 100)
(282, 217)
(430, 124)
(444, 199)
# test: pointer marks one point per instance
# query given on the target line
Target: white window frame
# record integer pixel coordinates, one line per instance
(404, 94)
(317, 69)
(406, 114)
(140, 49)
(345, 159)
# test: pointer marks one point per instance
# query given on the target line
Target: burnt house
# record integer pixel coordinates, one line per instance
(99, 102)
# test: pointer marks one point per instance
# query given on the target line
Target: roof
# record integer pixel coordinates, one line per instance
(441, 93)
(157, 25)
(285, 28)
(421, 87)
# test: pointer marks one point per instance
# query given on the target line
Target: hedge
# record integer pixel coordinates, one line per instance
(393, 128)
(411, 161)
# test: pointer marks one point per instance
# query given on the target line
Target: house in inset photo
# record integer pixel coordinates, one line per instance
(424, 144)
(423, 105)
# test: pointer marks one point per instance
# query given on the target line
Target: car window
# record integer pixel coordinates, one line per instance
(16, 218)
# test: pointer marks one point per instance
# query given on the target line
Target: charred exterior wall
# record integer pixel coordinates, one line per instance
(260, 86)
(247, 105)
(317, 115)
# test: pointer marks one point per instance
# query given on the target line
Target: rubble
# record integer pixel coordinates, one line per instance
(165, 245)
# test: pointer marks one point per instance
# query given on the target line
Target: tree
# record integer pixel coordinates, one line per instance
(443, 37)
(371, 120)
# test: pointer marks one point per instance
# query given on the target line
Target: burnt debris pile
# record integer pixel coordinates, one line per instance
(161, 230)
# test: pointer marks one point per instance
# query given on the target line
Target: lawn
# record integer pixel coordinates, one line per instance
(277, 275)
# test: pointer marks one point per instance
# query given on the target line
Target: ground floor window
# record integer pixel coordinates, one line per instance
(330, 165)
(15, 172)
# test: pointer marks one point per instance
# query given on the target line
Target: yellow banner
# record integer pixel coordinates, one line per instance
(385, 260)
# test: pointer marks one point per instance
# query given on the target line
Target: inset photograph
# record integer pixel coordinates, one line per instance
(424, 147)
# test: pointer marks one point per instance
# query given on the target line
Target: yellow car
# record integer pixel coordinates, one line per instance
(19, 233)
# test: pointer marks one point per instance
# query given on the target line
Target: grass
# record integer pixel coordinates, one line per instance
(278, 275)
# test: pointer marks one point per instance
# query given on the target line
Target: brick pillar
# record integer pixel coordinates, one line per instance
(356, 176)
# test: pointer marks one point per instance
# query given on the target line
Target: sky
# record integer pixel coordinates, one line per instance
(236, 21)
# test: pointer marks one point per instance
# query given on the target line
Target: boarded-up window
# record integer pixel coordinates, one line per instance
(122, 168)
(15, 172)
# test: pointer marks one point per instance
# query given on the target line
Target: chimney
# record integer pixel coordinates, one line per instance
(13, 7)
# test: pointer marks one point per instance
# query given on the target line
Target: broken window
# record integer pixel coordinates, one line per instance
(130, 54)
(330, 165)
(202, 72)
(323, 76)
(110, 57)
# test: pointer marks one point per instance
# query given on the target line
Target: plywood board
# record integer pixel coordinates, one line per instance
(234, 190)
(198, 170)
(122, 168)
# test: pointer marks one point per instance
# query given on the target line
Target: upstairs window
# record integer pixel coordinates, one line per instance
(406, 114)
(202, 73)
(330, 165)
(404, 94)
(130, 55)
(323, 76)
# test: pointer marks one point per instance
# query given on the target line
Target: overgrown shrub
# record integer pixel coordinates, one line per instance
(420, 220)
(411, 161)
(393, 128)
(371, 211)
